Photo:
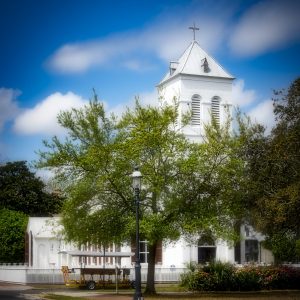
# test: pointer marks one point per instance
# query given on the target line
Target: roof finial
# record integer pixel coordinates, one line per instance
(194, 28)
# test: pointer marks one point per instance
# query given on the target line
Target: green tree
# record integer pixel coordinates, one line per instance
(274, 164)
(187, 188)
(12, 234)
(21, 191)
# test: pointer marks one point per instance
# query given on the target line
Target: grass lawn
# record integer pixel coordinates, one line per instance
(277, 295)
(168, 292)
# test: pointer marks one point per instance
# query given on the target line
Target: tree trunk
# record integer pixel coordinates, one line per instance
(150, 287)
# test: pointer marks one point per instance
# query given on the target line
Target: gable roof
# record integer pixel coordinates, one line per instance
(195, 61)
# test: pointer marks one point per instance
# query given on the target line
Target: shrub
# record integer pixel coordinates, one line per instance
(216, 276)
(280, 277)
(247, 279)
(219, 276)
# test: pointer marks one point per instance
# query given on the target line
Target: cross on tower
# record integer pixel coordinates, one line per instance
(194, 28)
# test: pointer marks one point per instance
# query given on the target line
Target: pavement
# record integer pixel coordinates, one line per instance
(22, 291)
(12, 291)
(7, 286)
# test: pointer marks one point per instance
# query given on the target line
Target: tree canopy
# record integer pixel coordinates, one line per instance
(21, 191)
(274, 169)
(12, 233)
(21, 195)
(187, 188)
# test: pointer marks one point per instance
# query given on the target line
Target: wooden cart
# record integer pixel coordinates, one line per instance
(97, 277)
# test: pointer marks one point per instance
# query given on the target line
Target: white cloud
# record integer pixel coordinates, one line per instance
(78, 57)
(8, 105)
(42, 119)
(165, 38)
(263, 114)
(168, 39)
(260, 111)
(265, 26)
(146, 98)
(268, 25)
(240, 96)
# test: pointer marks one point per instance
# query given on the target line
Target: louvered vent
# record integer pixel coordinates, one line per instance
(196, 110)
(215, 109)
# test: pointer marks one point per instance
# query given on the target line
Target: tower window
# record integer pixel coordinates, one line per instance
(196, 110)
(215, 109)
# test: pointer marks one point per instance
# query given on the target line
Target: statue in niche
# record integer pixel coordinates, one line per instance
(205, 66)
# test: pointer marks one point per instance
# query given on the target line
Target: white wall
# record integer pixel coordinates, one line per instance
(13, 273)
(224, 252)
(183, 87)
(176, 255)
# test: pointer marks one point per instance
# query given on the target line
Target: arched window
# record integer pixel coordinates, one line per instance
(215, 109)
(206, 249)
(196, 110)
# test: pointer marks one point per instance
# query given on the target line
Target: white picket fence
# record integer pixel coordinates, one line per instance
(27, 275)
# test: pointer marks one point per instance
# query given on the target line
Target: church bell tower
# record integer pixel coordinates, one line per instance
(201, 86)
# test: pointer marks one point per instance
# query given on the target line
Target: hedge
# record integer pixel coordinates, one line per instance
(218, 276)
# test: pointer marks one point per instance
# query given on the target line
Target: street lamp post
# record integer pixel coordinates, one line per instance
(136, 182)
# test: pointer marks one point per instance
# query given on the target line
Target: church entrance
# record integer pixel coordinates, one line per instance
(251, 251)
(206, 254)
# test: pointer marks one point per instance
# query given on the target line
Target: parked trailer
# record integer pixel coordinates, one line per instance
(98, 277)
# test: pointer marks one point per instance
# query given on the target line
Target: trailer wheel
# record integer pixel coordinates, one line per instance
(91, 285)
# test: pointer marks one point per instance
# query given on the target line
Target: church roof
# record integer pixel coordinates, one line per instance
(195, 61)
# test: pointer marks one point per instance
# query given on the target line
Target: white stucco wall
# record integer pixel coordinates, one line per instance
(224, 251)
(176, 254)
(44, 242)
(46, 246)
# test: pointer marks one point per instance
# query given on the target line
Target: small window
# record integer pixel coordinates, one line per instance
(215, 109)
(247, 231)
(144, 252)
(196, 110)
(206, 248)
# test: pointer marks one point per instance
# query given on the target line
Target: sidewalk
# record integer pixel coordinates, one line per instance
(96, 295)
(33, 292)
(8, 286)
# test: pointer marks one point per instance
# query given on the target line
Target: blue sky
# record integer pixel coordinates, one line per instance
(53, 53)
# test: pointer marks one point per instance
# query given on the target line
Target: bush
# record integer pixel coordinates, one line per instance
(216, 276)
(247, 279)
(219, 276)
(280, 278)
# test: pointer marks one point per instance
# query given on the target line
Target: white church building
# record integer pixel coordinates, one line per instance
(202, 86)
